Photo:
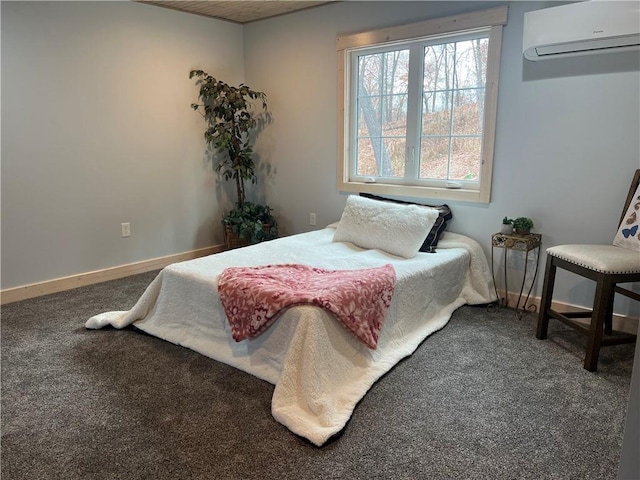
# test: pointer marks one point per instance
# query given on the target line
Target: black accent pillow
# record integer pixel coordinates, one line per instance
(440, 225)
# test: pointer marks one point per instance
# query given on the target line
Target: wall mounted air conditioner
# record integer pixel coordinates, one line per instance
(594, 26)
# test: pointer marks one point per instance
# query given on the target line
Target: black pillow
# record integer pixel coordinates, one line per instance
(444, 215)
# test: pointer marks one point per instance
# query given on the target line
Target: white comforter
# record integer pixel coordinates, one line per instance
(319, 370)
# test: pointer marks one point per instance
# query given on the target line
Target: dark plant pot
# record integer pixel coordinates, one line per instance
(233, 239)
(522, 231)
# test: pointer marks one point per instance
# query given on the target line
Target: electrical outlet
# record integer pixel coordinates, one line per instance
(312, 219)
(126, 229)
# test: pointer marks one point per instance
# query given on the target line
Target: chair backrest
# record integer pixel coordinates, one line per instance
(632, 190)
(628, 233)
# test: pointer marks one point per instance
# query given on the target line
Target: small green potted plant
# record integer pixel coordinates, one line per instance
(231, 119)
(251, 222)
(522, 225)
(507, 226)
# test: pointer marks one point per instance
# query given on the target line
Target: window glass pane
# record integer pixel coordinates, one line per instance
(471, 63)
(467, 112)
(438, 67)
(434, 158)
(369, 68)
(369, 121)
(382, 85)
(390, 151)
(394, 166)
(366, 160)
(396, 72)
(465, 158)
(453, 104)
(384, 73)
(436, 113)
(395, 115)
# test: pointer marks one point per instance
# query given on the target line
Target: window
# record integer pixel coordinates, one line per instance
(419, 106)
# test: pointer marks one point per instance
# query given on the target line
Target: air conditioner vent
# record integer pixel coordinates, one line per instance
(583, 28)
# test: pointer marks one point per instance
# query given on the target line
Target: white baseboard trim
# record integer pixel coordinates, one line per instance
(622, 323)
(24, 292)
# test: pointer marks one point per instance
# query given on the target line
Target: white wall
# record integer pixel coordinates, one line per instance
(567, 134)
(97, 130)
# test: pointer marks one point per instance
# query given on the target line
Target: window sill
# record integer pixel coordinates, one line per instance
(456, 194)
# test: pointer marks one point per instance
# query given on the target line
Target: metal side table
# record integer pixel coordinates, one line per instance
(522, 243)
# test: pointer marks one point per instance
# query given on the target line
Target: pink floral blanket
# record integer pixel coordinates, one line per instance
(254, 297)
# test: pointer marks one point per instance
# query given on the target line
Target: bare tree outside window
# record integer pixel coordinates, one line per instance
(382, 113)
(453, 83)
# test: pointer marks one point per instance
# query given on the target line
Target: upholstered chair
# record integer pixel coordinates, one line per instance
(608, 266)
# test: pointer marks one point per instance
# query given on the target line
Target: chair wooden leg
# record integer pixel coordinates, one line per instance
(547, 297)
(608, 320)
(602, 310)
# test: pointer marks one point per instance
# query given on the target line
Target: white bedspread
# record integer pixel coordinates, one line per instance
(320, 371)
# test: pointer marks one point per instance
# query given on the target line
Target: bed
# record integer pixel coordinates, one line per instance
(320, 370)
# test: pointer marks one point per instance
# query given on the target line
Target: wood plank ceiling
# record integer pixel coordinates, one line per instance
(238, 11)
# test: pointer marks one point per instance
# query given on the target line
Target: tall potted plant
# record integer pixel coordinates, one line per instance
(232, 117)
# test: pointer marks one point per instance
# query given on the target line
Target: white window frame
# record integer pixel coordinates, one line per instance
(491, 20)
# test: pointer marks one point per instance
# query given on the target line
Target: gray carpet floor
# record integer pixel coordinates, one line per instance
(480, 399)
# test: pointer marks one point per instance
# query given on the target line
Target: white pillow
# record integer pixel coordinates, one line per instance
(395, 228)
(628, 235)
